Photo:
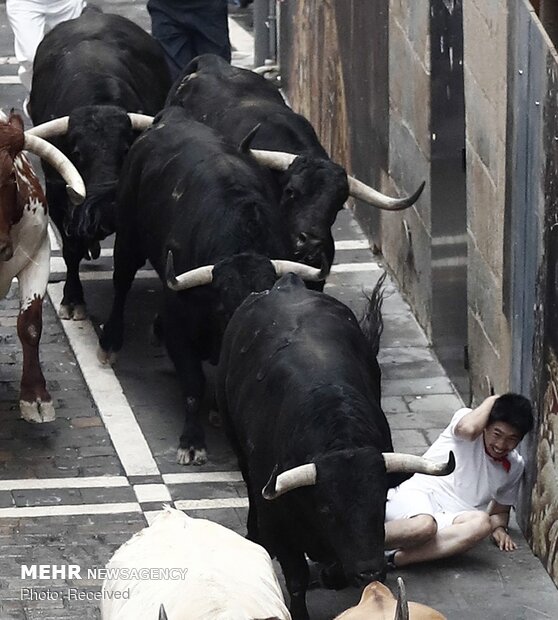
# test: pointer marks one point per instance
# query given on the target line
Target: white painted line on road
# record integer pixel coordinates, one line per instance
(449, 240)
(345, 244)
(452, 261)
(76, 509)
(120, 422)
(57, 265)
(87, 482)
(152, 493)
(209, 504)
(355, 267)
(210, 476)
(9, 79)
(8, 60)
(241, 39)
(54, 245)
(352, 244)
(150, 515)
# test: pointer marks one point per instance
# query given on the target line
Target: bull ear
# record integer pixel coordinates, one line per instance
(162, 613)
(402, 609)
(245, 143)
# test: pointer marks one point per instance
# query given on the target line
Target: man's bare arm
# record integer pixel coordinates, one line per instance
(473, 423)
(499, 519)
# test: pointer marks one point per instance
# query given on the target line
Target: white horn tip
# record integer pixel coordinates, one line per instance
(76, 197)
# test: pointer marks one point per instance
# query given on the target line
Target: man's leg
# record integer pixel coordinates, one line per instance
(60, 11)
(467, 529)
(212, 30)
(409, 532)
(175, 37)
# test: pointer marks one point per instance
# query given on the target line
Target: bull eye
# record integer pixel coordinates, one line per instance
(289, 193)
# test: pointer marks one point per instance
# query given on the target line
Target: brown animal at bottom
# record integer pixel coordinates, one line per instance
(378, 603)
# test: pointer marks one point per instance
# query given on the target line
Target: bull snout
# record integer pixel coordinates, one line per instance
(365, 573)
(309, 248)
(6, 250)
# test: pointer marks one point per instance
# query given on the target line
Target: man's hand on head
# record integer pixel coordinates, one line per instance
(473, 423)
(503, 540)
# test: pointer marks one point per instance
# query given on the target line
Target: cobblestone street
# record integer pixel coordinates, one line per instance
(73, 490)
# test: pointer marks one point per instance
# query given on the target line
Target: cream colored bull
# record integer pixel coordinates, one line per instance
(216, 575)
(378, 603)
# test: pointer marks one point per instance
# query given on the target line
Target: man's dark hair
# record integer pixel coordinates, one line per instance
(515, 410)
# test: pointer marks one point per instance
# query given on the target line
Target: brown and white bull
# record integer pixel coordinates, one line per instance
(25, 248)
(378, 603)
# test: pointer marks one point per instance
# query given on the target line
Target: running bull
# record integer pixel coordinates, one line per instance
(311, 188)
(190, 200)
(25, 248)
(88, 74)
(298, 386)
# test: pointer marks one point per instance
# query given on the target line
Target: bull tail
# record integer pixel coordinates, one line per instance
(371, 322)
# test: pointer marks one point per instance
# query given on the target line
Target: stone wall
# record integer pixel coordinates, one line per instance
(485, 73)
(406, 237)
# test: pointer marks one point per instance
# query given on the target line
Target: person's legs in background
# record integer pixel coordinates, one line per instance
(58, 11)
(212, 30)
(176, 39)
(27, 21)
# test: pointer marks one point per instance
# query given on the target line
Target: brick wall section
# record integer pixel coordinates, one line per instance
(409, 154)
(485, 73)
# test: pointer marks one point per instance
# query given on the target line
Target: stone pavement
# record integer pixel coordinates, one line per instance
(73, 491)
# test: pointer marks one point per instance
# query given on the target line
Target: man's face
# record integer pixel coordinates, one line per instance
(500, 438)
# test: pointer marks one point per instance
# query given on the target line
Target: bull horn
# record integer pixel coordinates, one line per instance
(162, 613)
(59, 126)
(189, 279)
(397, 462)
(140, 121)
(306, 272)
(50, 129)
(373, 197)
(402, 609)
(244, 145)
(273, 159)
(47, 151)
(301, 476)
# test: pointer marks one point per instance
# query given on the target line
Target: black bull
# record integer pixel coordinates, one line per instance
(298, 386)
(186, 194)
(311, 189)
(94, 69)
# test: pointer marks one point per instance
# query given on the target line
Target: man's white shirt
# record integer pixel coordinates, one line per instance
(477, 478)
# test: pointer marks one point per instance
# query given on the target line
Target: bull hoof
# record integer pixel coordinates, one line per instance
(79, 313)
(191, 456)
(215, 419)
(37, 412)
(93, 251)
(107, 358)
(65, 312)
(69, 312)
